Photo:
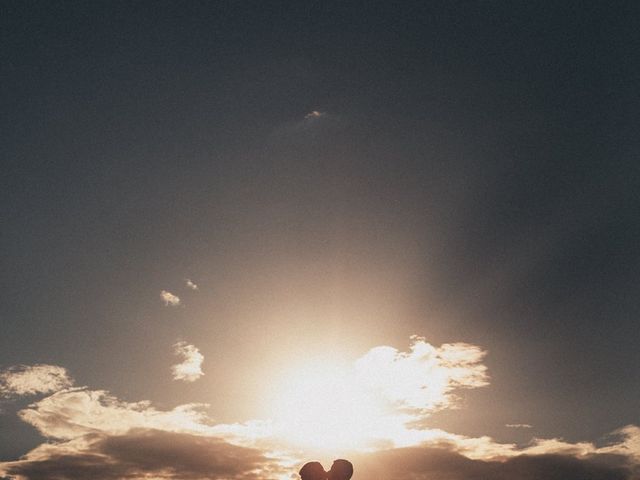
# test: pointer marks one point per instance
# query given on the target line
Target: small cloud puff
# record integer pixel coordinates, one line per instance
(190, 369)
(169, 299)
(190, 284)
(518, 425)
(33, 379)
(314, 114)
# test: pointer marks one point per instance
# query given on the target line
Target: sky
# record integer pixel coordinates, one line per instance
(238, 236)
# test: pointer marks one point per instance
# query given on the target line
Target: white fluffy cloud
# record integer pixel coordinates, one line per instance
(190, 369)
(95, 435)
(75, 412)
(190, 284)
(92, 434)
(383, 399)
(169, 299)
(423, 380)
(33, 379)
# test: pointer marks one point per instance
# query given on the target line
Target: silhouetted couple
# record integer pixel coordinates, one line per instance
(340, 470)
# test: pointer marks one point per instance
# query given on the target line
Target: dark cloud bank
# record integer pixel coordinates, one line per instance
(150, 453)
(144, 453)
(444, 464)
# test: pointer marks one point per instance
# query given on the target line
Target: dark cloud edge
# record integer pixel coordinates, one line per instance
(169, 455)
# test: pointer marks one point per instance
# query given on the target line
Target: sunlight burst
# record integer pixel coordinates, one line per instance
(324, 406)
(328, 404)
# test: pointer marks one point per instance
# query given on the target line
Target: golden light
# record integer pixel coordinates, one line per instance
(329, 404)
(321, 405)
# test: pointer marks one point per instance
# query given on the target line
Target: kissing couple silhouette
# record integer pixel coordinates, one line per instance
(340, 470)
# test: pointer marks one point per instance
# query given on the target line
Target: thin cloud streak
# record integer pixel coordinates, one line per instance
(190, 369)
(314, 114)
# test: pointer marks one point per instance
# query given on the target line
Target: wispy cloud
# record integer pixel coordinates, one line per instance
(33, 379)
(313, 126)
(190, 369)
(190, 284)
(518, 425)
(169, 299)
(314, 114)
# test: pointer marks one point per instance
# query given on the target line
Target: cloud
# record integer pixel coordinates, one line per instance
(33, 379)
(143, 453)
(315, 126)
(518, 425)
(625, 441)
(190, 369)
(169, 299)
(155, 453)
(74, 412)
(423, 379)
(190, 284)
(314, 114)
(92, 434)
(434, 463)
(383, 399)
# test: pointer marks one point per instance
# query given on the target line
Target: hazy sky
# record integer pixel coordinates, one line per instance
(202, 201)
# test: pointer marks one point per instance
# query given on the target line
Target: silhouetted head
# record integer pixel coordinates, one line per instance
(341, 470)
(313, 471)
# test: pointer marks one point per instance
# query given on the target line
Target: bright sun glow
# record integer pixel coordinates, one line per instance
(323, 405)
(327, 404)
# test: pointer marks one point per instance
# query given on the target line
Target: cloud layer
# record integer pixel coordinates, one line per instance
(190, 369)
(93, 434)
(142, 453)
(438, 463)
